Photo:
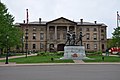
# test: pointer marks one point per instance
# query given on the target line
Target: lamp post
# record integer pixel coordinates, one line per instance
(26, 45)
(7, 50)
(26, 32)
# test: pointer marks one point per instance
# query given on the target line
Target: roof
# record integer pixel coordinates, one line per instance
(77, 23)
(62, 18)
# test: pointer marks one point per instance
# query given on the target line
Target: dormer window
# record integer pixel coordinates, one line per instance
(34, 29)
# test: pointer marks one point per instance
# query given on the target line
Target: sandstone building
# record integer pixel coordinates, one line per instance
(51, 35)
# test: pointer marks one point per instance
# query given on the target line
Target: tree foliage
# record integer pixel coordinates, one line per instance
(116, 37)
(9, 34)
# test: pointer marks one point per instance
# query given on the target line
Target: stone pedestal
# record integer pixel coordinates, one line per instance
(74, 52)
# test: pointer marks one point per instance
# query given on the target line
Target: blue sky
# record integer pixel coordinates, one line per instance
(102, 11)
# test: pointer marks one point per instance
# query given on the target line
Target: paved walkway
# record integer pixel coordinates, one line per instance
(11, 57)
(78, 61)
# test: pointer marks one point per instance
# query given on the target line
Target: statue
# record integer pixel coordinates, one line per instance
(73, 38)
(68, 38)
(80, 38)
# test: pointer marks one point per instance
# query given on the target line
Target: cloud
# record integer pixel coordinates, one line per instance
(103, 11)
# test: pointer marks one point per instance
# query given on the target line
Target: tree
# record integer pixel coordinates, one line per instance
(10, 35)
(116, 37)
(110, 43)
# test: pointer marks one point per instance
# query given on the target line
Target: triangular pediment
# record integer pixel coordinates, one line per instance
(62, 20)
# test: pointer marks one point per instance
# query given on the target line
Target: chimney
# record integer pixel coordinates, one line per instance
(23, 21)
(40, 20)
(95, 22)
(81, 20)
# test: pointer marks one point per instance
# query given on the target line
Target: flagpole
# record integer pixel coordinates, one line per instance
(117, 18)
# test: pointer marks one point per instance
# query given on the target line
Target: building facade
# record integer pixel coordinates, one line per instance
(51, 36)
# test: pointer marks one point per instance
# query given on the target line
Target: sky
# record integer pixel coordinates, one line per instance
(102, 11)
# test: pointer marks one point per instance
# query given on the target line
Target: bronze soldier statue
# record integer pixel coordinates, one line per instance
(68, 38)
(80, 38)
(73, 38)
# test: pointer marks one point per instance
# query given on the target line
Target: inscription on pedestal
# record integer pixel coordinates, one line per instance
(74, 52)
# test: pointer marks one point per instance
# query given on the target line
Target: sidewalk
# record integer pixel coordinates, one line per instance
(78, 61)
(11, 57)
(58, 64)
(104, 54)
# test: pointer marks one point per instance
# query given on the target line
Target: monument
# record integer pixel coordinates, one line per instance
(72, 49)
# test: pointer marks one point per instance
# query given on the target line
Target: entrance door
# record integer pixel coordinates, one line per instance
(60, 47)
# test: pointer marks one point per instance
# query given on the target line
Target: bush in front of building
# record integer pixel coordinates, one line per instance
(41, 54)
(94, 53)
(50, 53)
(60, 53)
(98, 53)
(45, 53)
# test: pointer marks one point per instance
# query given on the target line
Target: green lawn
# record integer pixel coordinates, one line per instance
(106, 59)
(39, 59)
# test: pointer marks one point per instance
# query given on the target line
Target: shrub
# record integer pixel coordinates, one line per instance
(99, 52)
(60, 53)
(95, 53)
(41, 54)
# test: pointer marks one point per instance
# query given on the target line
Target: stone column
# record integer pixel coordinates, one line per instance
(55, 46)
(48, 37)
(55, 32)
(67, 28)
(75, 30)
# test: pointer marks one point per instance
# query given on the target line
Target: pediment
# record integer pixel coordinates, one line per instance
(62, 20)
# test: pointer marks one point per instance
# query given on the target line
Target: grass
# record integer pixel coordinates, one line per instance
(38, 59)
(106, 59)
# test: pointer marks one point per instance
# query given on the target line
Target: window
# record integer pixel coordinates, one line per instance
(34, 46)
(58, 29)
(71, 28)
(80, 29)
(26, 46)
(41, 36)
(34, 29)
(88, 46)
(102, 36)
(64, 29)
(34, 35)
(87, 29)
(26, 29)
(102, 30)
(17, 47)
(51, 28)
(95, 36)
(58, 35)
(42, 29)
(94, 29)
(103, 47)
(88, 36)
(95, 46)
(41, 45)
(51, 36)
(26, 35)
(64, 35)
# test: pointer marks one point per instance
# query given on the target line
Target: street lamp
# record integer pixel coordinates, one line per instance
(26, 45)
(7, 51)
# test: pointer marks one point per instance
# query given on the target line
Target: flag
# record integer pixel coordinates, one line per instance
(118, 16)
(118, 19)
